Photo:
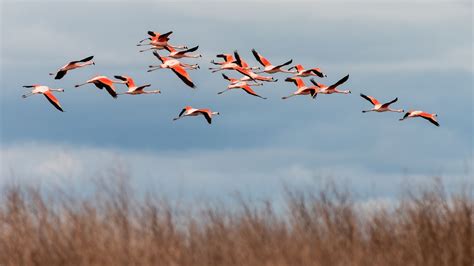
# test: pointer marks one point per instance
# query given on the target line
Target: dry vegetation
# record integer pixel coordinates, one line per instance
(327, 227)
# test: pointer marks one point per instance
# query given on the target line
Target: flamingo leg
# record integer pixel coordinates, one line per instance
(27, 95)
(289, 96)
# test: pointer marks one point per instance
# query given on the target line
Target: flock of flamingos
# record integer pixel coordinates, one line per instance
(234, 62)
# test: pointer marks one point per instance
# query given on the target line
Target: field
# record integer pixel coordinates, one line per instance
(426, 226)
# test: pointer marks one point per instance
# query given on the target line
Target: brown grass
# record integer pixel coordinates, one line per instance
(328, 227)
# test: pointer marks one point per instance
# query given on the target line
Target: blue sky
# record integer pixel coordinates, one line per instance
(420, 52)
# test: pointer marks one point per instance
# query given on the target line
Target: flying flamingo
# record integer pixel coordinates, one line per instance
(156, 36)
(180, 54)
(427, 116)
(102, 82)
(228, 58)
(227, 64)
(230, 64)
(189, 111)
(301, 72)
(378, 107)
(323, 89)
(177, 67)
(268, 67)
(132, 88)
(247, 72)
(72, 65)
(302, 88)
(159, 41)
(238, 84)
(47, 92)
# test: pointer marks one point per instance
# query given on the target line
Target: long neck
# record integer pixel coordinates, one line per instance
(342, 91)
(396, 110)
(85, 63)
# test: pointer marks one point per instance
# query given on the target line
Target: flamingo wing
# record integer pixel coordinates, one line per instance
(142, 87)
(53, 100)
(188, 50)
(155, 53)
(238, 61)
(121, 78)
(284, 64)
(60, 74)
(249, 90)
(385, 105)
(297, 81)
(371, 99)
(245, 72)
(206, 115)
(315, 83)
(341, 81)
(225, 77)
(429, 117)
(164, 36)
(110, 88)
(193, 49)
(182, 112)
(227, 57)
(183, 75)
(316, 71)
(262, 60)
(312, 91)
(83, 60)
(405, 116)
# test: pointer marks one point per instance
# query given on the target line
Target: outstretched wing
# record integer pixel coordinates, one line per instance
(341, 81)
(429, 117)
(406, 115)
(315, 83)
(385, 105)
(82, 60)
(188, 50)
(110, 89)
(245, 72)
(227, 57)
(53, 100)
(60, 74)
(249, 90)
(297, 81)
(183, 75)
(164, 36)
(238, 61)
(193, 49)
(155, 53)
(182, 112)
(225, 77)
(120, 77)
(284, 64)
(372, 100)
(315, 71)
(262, 60)
(206, 115)
(142, 87)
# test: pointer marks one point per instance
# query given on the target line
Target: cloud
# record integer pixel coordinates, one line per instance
(259, 173)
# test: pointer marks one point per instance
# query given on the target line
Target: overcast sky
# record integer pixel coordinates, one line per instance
(419, 52)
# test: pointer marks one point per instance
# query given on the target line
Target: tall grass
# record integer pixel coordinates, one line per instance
(325, 227)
